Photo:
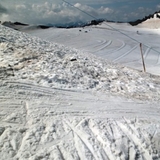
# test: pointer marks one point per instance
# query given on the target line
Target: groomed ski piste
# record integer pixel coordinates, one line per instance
(117, 42)
(61, 103)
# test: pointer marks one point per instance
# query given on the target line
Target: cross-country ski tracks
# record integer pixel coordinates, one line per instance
(125, 54)
(29, 87)
(56, 118)
(108, 43)
(79, 42)
(85, 139)
(141, 147)
(153, 59)
(82, 45)
(95, 139)
(120, 48)
(61, 99)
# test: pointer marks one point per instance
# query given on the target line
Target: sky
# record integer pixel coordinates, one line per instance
(60, 12)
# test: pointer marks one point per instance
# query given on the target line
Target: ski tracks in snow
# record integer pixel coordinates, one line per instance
(37, 123)
(42, 122)
(111, 45)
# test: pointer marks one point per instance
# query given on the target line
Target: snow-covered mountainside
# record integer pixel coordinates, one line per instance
(59, 103)
(119, 43)
(54, 65)
(153, 23)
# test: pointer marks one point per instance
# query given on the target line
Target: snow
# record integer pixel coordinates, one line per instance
(63, 103)
(108, 43)
(152, 23)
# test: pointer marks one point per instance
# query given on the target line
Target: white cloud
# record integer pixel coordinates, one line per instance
(19, 7)
(40, 12)
(104, 11)
(78, 5)
(54, 13)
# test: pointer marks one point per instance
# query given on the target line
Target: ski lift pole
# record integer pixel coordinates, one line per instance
(144, 67)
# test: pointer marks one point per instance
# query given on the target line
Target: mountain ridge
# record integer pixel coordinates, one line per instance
(19, 25)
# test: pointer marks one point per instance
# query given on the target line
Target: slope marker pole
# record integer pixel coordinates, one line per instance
(144, 67)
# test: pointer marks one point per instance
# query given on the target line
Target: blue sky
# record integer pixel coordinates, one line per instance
(58, 12)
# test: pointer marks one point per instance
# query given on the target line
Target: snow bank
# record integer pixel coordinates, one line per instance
(50, 107)
(54, 65)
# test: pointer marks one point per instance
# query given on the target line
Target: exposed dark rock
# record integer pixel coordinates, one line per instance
(19, 23)
(73, 59)
(44, 27)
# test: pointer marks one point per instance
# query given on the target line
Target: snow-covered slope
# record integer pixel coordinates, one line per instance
(111, 44)
(153, 23)
(58, 66)
(60, 103)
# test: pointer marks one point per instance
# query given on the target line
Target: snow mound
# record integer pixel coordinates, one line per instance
(29, 58)
(50, 107)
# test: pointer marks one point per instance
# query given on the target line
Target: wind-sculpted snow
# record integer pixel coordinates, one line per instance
(59, 103)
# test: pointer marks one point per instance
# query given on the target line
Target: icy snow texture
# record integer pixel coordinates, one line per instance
(54, 65)
(50, 107)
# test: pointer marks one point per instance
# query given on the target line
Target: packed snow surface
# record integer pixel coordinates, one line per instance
(119, 43)
(61, 103)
